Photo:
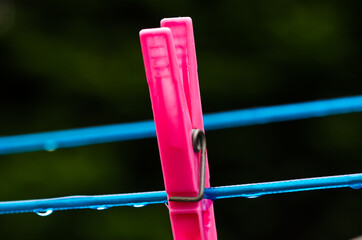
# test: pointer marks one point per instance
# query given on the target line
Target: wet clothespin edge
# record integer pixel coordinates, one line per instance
(170, 63)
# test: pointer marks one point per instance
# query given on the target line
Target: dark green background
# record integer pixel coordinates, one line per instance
(69, 64)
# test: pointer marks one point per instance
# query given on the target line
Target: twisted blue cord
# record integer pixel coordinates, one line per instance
(101, 202)
(146, 129)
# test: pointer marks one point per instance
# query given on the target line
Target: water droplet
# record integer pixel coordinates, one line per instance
(44, 213)
(252, 196)
(206, 204)
(139, 205)
(102, 208)
(356, 185)
(50, 146)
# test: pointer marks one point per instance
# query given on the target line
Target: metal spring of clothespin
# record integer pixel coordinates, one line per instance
(198, 143)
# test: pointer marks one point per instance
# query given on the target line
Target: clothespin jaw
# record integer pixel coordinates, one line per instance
(171, 69)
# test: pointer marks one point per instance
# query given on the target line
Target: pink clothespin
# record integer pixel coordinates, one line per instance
(171, 69)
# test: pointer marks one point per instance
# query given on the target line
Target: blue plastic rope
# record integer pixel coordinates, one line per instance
(44, 207)
(146, 129)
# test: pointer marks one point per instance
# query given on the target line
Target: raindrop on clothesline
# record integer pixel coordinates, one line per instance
(139, 205)
(356, 185)
(44, 213)
(50, 146)
(100, 207)
(251, 196)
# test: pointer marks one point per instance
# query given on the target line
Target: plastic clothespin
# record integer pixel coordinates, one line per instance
(170, 61)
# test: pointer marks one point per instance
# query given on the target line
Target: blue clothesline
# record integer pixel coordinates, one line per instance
(146, 129)
(45, 207)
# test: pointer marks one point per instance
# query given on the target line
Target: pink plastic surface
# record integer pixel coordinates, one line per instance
(171, 69)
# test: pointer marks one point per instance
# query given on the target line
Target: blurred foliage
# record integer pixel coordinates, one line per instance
(68, 64)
